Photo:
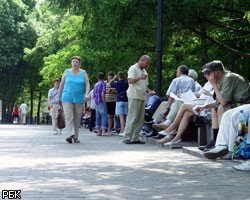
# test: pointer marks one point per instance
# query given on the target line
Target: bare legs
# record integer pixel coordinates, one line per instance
(181, 121)
(110, 123)
(183, 125)
(215, 121)
(122, 122)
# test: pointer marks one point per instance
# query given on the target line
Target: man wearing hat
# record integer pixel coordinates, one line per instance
(231, 90)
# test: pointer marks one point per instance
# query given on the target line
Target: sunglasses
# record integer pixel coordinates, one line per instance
(205, 72)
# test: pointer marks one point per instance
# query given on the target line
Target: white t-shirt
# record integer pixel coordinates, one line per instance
(137, 90)
(23, 108)
(92, 100)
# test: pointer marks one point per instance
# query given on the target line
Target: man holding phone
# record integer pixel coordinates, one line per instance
(138, 87)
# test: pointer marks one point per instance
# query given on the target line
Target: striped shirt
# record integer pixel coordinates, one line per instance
(110, 94)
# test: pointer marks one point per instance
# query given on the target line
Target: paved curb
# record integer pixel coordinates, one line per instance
(45, 167)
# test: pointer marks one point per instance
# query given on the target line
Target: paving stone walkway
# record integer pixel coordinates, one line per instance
(43, 166)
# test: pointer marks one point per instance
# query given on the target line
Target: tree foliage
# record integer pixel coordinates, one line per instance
(195, 32)
(111, 35)
(16, 33)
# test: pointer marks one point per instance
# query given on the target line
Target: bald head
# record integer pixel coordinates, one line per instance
(144, 61)
(145, 57)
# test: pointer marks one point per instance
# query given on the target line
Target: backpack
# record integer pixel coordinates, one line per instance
(241, 148)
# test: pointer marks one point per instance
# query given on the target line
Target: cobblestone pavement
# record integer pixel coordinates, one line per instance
(44, 166)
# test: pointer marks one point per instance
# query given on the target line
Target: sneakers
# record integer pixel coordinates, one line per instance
(115, 131)
(76, 140)
(168, 133)
(218, 151)
(142, 133)
(151, 133)
(228, 156)
(59, 131)
(207, 147)
(121, 134)
(245, 166)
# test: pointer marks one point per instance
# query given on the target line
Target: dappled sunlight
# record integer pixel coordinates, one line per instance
(42, 164)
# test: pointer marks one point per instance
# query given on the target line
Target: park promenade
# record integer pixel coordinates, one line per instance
(44, 167)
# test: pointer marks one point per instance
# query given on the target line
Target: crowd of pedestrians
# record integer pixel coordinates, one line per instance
(117, 105)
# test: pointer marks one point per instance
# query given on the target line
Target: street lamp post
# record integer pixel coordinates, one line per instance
(159, 48)
(9, 94)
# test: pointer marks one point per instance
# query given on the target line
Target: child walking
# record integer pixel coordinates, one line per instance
(101, 109)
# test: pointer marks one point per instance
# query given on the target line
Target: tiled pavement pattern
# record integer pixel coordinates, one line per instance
(43, 166)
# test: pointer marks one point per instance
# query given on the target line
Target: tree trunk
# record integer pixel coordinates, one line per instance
(38, 108)
(9, 71)
(31, 105)
(204, 57)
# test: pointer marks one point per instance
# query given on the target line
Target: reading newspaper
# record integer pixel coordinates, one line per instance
(189, 97)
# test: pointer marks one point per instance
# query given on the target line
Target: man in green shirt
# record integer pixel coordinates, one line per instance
(231, 90)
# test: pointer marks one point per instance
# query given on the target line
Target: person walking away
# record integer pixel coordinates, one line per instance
(138, 87)
(73, 92)
(100, 106)
(23, 110)
(53, 104)
(15, 114)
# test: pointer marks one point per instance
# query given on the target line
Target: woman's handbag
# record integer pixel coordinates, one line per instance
(60, 118)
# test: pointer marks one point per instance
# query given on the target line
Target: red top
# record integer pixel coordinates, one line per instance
(16, 111)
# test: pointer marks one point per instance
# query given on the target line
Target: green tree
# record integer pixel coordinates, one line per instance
(195, 32)
(111, 35)
(46, 23)
(15, 33)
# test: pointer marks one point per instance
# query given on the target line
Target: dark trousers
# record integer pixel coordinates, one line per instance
(92, 120)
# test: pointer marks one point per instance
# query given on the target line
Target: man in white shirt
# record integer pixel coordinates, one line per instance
(23, 110)
(181, 84)
(53, 103)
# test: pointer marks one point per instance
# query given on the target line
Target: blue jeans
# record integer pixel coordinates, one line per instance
(101, 116)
